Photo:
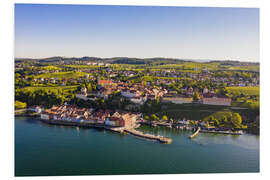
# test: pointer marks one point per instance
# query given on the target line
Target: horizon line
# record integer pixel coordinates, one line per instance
(205, 59)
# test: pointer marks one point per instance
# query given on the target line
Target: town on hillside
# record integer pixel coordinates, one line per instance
(216, 95)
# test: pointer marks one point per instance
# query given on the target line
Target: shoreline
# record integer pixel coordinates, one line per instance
(115, 129)
(131, 131)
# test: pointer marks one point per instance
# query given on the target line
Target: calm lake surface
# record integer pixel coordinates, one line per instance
(42, 149)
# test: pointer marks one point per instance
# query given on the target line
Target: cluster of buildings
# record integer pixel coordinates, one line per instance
(165, 76)
(185, 122)
(138, 93)
(88, 116)
(200, 76)
(98, 64)
(160, 86)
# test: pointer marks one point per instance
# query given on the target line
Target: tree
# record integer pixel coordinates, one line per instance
(236, 120)
(225, 120)
(146, 117)
(196, 96)
(154, 117)
(223, 91)
(216, 122)
(165, 118)
(20, 105)
(89, 87)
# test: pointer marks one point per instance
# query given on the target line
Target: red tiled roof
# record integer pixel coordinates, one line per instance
(104, 82)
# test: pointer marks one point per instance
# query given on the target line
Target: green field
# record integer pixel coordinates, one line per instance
(189, 111)
(243, 68)
(244, 90)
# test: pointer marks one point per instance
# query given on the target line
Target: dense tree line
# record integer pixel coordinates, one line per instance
(44, 97)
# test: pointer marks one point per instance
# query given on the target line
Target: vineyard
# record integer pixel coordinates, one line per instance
(69, 74)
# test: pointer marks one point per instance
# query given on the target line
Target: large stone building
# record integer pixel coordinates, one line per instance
(212, 99)
(177, 99)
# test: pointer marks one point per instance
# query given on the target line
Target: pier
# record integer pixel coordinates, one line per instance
(222, 132)
(196, 133)
(117, 129)
(149, 136)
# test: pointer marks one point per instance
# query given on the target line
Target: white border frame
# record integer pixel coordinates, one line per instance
(7, 79)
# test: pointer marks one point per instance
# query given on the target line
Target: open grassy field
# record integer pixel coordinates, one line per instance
(198, 111)
(242, 68)
(189, 111)
(244, 90)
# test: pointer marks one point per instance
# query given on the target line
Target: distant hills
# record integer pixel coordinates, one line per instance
(124, 60)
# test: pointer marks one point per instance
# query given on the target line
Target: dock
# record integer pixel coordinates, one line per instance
(196, 133)
(149, 136)
(223, 132)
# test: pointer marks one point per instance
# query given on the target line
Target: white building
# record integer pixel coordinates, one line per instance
(45, 116)
(138, 100)
(177, 99)
(130, 93)
(217, 101)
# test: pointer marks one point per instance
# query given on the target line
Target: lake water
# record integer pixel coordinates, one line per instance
(42, 149)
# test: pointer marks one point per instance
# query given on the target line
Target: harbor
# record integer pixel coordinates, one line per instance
(121, 122)
(131, 131)
(196, 129)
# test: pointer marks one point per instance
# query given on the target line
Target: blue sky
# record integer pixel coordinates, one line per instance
(136, 31)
